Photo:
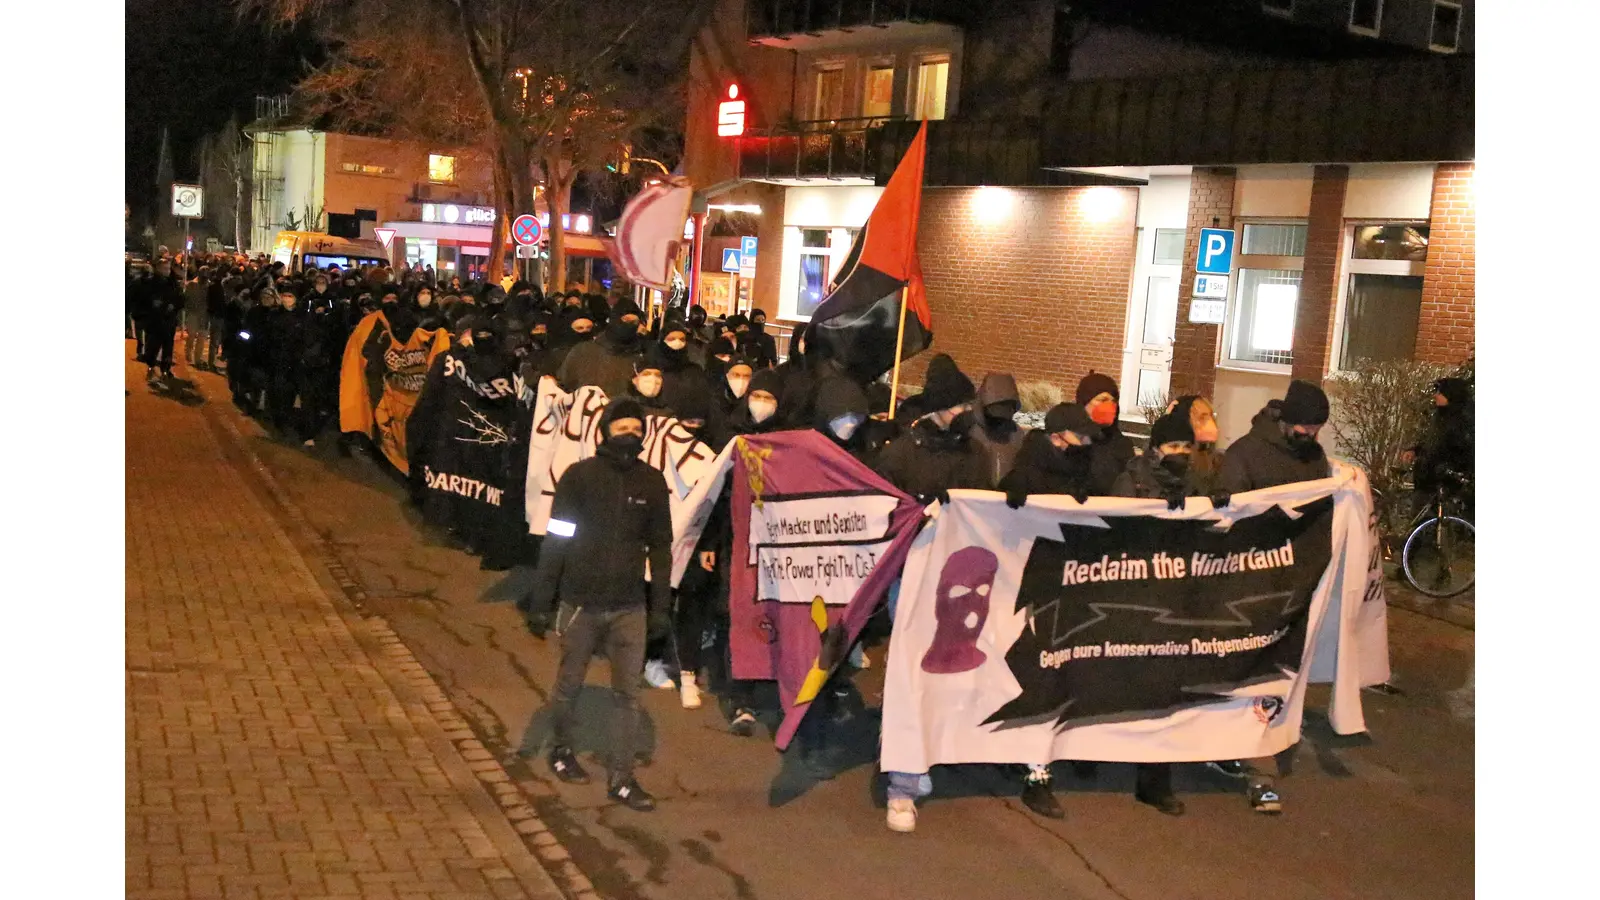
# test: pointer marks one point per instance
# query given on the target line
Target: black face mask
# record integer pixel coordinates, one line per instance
(998, 413)
(485, 343)
(622, 332)
(625, 445)
(1177, 464)
(1304, 446)
(963, 422)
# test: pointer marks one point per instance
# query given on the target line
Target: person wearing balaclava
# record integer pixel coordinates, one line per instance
(700, 592)
(285, 339)
(1057, 459)
(997, 431)
(324, 333)
(937, 454)
(430, 317)
(761, 347)
(678, 367)
(1281, 447)
(758, 413)
(608, 362)
(1098, 395)
(571, 327)
(699, 336)
(1444, 457)
(647, 386)
(611, 507)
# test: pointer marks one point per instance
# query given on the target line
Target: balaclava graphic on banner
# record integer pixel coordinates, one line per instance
(961, 609)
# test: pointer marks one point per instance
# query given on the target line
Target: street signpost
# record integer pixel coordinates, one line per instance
(385, 236)
(1208, 304)
(747, 257)
(525, 231)
(188, 202)
(731, 260)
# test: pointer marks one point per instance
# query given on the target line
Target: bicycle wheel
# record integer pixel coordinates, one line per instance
(1438, 556)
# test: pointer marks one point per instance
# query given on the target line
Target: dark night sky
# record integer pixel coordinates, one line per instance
(190, 64)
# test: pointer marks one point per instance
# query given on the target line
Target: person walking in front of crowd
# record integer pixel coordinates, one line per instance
(196, 329)
(996, 430)
(1281, 448)
(285, 347)
(164, 303)
(611, 507)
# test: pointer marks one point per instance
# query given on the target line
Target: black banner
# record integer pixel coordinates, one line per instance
(1149, 615)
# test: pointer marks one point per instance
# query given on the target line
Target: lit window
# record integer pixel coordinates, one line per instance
(827, 94)
(1168, 247)
(877, 94)
(1446, 26)
(1366, 16)
(441, 168)
(362, 169)
(933, 77)
(1259, 330)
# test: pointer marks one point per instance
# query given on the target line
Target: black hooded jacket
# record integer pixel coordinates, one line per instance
(1445, 454)
(1001, 440)
(617, 507)
(1263, 458)
(1042, 469)
(837, 397)
(929, 460)
(607, 362)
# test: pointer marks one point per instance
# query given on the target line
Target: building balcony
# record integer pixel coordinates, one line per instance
(841, 24)
(836, 150)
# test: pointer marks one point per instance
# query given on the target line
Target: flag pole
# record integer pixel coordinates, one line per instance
(899, 344)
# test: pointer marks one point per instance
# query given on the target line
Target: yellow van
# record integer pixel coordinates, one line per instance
(299, 250)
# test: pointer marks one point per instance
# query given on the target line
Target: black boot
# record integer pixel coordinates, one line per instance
(1154, 788)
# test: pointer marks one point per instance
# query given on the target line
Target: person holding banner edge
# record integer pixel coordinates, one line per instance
(614, 507)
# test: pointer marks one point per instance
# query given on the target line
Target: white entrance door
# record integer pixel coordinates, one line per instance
(1152, 321)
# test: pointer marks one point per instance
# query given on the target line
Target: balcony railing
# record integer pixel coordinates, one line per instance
(829, 149)
(775, 18)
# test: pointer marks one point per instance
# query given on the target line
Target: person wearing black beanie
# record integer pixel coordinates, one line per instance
(1098, 395)
(1444, 456)
(937, 453)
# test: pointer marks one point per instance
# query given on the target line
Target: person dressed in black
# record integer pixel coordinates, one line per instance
(1099, 397)
(612, 507)
(323, 335)
(163, 306)
(285, 346)
(255, 352)
(937, 454)
(1444, 457)
(840, 411)
(761, 348)
(1281, 448)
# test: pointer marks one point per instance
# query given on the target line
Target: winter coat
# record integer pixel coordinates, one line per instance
(1000, 441)
(601, 363)
(1446, 449)
(163, 301)
(1042, 469)
(1145, 479)
(1263, 458)
(928, 460)
(1111, 452)
(618, 509)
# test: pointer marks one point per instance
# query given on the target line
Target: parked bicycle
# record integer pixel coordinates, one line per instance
(1438, 555)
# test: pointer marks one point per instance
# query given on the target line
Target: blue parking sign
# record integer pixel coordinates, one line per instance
(1216, 252)
(747, 247)
(730, 259)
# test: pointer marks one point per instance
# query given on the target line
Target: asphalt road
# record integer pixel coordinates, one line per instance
(1383, 815)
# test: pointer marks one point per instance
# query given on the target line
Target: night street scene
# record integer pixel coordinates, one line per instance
(791, 449)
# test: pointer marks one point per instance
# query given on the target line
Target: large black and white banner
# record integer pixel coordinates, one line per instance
(1117, 630)
(566, 429)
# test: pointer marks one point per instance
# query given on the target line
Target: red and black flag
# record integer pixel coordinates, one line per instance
(857, 323)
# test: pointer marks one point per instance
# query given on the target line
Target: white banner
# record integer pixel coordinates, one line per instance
(1240, 620)
(566, 429)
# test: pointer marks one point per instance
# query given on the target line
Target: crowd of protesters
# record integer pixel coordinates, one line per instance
(282, 336)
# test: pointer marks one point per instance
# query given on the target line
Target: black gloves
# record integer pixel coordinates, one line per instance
(941, 495)
(1081, 497)
(1175, 500)
(1016, 499)
(659, 624)
(1220, 499)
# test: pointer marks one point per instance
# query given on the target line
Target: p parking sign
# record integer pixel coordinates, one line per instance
(1216, 252)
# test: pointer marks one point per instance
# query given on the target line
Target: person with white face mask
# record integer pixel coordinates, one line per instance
(646, 387)
(840, 411)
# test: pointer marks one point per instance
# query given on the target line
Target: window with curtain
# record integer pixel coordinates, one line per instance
(827, 94)
(933, 78)
(815, 257)
(877, 94)
(1381, 313)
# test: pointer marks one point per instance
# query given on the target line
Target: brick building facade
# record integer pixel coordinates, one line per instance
(1445, 333)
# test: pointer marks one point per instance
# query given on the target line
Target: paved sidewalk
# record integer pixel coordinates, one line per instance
(268, 751)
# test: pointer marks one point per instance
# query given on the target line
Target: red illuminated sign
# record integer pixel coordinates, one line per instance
(730, 114)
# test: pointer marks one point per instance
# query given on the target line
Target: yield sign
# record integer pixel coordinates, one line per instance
(525, 230)
(385, 236)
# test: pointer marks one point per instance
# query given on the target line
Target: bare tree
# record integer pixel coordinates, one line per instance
(557, 84)
(223, 160)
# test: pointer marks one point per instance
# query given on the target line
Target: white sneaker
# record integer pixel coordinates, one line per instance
(689, 692)
(902, 814)
(655, 674)
(311, 443)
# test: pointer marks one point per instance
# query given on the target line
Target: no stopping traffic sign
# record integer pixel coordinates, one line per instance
(525, 230)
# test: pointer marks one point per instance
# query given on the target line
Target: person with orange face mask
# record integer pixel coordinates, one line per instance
(1111, 450)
